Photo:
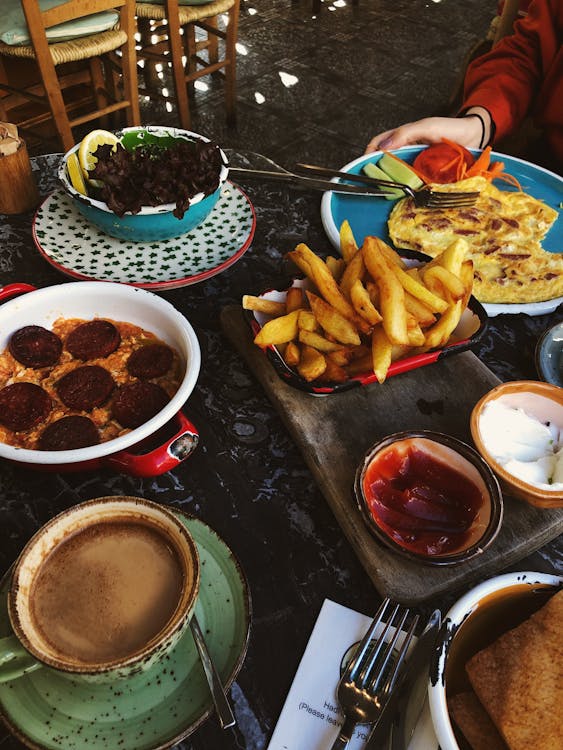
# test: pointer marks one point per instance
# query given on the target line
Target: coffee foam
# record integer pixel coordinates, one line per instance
(106, 591)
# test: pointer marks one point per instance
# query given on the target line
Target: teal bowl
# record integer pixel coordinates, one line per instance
(152, 223)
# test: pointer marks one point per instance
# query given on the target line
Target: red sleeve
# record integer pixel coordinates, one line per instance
(506, 81)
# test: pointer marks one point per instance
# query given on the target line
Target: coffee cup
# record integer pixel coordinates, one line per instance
(101, 592)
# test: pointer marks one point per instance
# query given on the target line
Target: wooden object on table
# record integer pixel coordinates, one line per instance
(18, 191)
(108, 63)
(168, 36)
(333, 433)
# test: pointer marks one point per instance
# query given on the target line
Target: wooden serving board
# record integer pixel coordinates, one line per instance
(334, 432)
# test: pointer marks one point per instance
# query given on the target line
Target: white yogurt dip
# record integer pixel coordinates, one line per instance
(527, 448)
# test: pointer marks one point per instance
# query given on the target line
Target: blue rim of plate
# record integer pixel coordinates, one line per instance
(199, 529)
(76, 248)
(368, 215)
(320, 388)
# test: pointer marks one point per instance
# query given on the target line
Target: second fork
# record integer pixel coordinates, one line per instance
(371, 674)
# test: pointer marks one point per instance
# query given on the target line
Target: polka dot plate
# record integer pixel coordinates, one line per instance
(68, 241)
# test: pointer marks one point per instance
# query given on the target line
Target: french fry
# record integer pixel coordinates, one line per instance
(336, 266)
(417, 309)
(451, 284)
(391, 256)
(278, 330)
(381, 349)
(365, 310)
(361, 365)
(466, 276)
(398, 352)
(354, 271)
(334, 373)
(259, 304)
(327, 286)
(301, 262)
(363, 305)
(373, 292)
(348, 245)
(292, 354)
(438, 334)
(360, 351)
(332, 321)
(318, 342)
(418, 290)
(312, 364)
(307, 321)
(341, 357)
(452, 257)
(392, 295)
(294, 299)
(416, 336)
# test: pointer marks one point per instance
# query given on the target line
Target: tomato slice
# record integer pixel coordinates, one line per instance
(442, 162)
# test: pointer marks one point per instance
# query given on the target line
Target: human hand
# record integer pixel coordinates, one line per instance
(467, 131)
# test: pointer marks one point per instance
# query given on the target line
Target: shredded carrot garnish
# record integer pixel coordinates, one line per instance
(481, 164)
(510, 179)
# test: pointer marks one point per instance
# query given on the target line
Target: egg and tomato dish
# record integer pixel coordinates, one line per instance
(82, 382)
(503, 230)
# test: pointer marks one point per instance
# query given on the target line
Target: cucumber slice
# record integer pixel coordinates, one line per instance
(372, 170)
(399, 171)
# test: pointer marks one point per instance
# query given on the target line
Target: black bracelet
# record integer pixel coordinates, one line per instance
(483, 127)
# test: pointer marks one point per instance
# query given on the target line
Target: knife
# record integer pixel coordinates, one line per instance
(306, 183)
(407, 700)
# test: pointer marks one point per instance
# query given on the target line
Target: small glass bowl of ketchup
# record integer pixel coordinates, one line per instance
(429, 497)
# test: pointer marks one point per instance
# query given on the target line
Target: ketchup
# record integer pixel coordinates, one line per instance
(424, 503)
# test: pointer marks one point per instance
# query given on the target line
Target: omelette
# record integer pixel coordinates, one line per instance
(503, 230)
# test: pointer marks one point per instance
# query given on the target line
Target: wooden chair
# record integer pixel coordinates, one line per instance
(57, 68)
(176, 35)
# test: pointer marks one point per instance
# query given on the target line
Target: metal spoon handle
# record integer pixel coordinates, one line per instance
(222, 706)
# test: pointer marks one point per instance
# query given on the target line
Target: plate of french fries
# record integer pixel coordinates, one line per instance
(365, 316)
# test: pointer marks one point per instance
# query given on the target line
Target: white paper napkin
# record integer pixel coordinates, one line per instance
(311, 717)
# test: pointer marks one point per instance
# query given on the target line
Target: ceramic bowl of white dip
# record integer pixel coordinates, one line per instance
(517, 428)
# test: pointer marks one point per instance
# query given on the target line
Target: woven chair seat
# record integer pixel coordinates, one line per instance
(74, 49)
(187, 13)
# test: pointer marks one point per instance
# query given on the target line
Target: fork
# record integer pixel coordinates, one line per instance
(423, 197)
(371, 674)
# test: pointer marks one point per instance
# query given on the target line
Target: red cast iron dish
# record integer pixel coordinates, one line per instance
(129, 453)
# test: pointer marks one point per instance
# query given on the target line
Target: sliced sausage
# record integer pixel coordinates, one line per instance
(35, 346)
(69, 433)
(136, 403)
(92, 340)
(85, 387)
(23, 405)
(150, 361)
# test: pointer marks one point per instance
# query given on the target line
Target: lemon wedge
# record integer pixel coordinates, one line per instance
(89, 145)
(75, 174)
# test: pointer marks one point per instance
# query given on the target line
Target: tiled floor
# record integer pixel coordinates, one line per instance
(317, 78)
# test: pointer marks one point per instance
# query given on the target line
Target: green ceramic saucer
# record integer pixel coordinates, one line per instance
(153, 710)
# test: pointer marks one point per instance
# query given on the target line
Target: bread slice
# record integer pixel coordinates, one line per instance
(474, 722)
(519, 680)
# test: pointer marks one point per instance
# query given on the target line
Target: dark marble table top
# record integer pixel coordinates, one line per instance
(247, 479)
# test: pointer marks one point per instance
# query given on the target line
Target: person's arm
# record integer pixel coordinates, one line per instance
(506, 80)
(500, 86)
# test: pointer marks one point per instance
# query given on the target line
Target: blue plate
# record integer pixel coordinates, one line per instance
(368, 215)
